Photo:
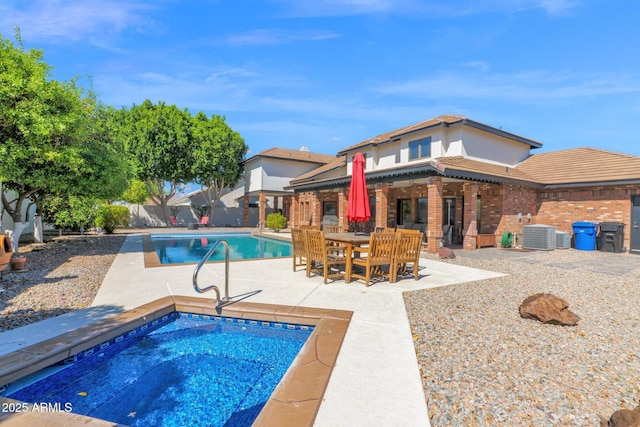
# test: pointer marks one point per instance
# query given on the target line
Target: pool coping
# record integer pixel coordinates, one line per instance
(151, 259)
(295, 401)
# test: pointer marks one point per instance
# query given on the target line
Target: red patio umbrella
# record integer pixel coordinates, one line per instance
(358, 205)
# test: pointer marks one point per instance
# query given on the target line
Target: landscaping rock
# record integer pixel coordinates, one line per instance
(548, 308)
(623, 418)
(446, 253)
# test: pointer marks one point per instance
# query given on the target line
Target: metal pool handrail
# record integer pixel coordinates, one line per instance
(226, 273)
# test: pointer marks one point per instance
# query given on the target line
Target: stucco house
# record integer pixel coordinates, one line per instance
(466, 183)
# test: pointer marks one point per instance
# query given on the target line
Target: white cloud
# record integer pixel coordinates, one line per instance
(525, 87)
(74, 20)
(422, 8)
(263, 37)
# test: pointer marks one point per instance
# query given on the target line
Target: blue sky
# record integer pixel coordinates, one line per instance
(329, 74)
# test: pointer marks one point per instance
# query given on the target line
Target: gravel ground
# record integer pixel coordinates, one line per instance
(60, 276)
(483, 365)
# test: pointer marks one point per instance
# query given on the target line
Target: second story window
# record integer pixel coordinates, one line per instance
(420, 148)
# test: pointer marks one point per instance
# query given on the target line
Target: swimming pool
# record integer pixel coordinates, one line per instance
(182, 369)
(190, 248)
(295, 401)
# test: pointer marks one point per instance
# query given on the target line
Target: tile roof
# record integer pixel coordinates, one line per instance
(337, 162)
(581, 165)
(461, 166)
(288, 154)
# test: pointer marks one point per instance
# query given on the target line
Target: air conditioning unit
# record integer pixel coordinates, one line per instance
(563, 240)
(540, 237)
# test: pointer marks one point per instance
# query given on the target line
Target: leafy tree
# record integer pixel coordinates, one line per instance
(157, 137)
(55, 139)
(217, 156)
(136, 193)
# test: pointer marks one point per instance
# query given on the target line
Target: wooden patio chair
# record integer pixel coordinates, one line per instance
(407, 251)
(299, 243)
(310, 227)
(319, 253)
(380, 252)
(330, 229)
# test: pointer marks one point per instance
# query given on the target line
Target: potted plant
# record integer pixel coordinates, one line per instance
(8, 253)
(17, 262)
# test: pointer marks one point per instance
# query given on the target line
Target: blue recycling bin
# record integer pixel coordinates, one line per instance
(584, 234)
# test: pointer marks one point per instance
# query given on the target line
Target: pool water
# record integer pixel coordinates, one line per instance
(190, 248)
(191, 370)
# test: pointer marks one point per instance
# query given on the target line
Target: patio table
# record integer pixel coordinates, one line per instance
(348, 240)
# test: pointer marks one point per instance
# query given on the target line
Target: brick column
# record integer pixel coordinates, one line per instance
(294, 220)
(246, 210)
(435, 216)
(470, 226)
(276, 203)
(382, 192)
(343, 222)
(263, 207)
(315, 209)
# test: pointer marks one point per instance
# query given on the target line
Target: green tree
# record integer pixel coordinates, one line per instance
(55, 139)
(157, 137)
(217, 157)
(136, 193)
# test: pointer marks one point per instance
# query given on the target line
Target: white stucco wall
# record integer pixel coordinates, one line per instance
(266, 174)
(446, 142)
(493, 148)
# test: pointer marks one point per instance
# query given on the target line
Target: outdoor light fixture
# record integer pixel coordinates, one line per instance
(519, 216)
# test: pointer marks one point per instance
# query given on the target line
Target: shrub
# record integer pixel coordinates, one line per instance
(276, 221)
(73, 213)
(111, 216)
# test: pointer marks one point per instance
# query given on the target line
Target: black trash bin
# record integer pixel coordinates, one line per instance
(611, 237)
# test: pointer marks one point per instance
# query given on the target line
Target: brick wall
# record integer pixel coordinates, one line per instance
(501, 205)
(562, 207)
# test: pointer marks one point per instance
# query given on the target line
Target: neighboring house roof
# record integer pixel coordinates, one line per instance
(445, 120)
(580, 166)
(299, 155)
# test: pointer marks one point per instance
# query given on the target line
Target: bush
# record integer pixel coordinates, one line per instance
(73, 213)
(110, 216)
(507, 239)
(276, 221)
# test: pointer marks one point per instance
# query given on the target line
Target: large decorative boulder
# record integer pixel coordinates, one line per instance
(548, 308)
(623, 418)
(446, 253)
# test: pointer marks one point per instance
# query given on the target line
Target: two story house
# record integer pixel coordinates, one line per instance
(466, 183)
